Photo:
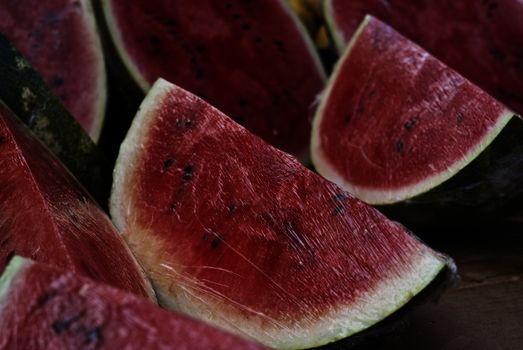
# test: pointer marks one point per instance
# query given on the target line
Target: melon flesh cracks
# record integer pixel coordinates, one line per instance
(46, 215)
(238, 233)
(479, 39)
(42, 307)
(395, 122)
(60, 40)
(251, 59)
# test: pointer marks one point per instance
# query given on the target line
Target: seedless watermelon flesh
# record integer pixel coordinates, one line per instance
(251, 59)
(238, 233)
(60, 40)
(43, 307)
(47, 216)
(395, 122)
(479, 39)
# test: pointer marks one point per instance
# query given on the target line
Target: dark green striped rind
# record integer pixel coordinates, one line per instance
(28, 96)
(488, 189)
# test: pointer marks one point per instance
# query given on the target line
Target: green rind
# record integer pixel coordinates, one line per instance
(27, 95)
(12, 270)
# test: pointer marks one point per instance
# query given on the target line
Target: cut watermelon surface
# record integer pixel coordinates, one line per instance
(251, 59)
(479, 39)
(238, 233)
(43, 307)
(395, 122)
(60, 40)
(47, 216)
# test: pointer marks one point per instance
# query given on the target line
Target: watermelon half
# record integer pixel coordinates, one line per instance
(479, 39)
(252, 59)
(60, 40)
(396, 123)
(238, 233)
(47, 216)
(42, 307)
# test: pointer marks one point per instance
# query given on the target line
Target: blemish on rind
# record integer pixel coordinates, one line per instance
(21, 64)
(28, 98)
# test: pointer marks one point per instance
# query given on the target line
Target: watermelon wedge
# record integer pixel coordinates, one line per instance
(46, 215)
(27, 95)
(252, 59)
(238, 233)
(43, 307)
(479, 39)
(60, 40)
(396, 123)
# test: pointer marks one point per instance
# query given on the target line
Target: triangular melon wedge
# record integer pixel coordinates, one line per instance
(238, 233)
(396, 125)
(46, 215)
(252, 59)
(43, 307)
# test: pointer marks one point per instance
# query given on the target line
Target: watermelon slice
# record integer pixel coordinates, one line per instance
(253, 59)
(43, 307)
(45, 215)
(60, 40)
(27, 95)
(479, 39)
(395, 123)
(238, 233)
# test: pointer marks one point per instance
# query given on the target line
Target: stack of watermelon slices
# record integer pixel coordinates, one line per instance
(228, 229)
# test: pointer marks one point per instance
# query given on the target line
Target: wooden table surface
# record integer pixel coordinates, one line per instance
(484, 310)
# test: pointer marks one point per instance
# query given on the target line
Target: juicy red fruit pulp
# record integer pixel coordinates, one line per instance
(269, 238)
(395, 115)
(47, 308)
(45, 215)
(247, 58)
(479, 39)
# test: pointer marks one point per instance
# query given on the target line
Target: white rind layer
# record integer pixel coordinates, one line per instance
(385, 298)
(378, 196)
(331, 24)
(111, 19)
(101, 90)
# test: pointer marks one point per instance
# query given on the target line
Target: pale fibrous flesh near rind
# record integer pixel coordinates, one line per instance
(238, 233)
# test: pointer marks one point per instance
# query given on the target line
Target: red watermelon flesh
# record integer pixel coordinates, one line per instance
(479, 39)
(47, 216)
(43, 307)
(396, 122)
(60, 40)
(238, 233)
(252, 59)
